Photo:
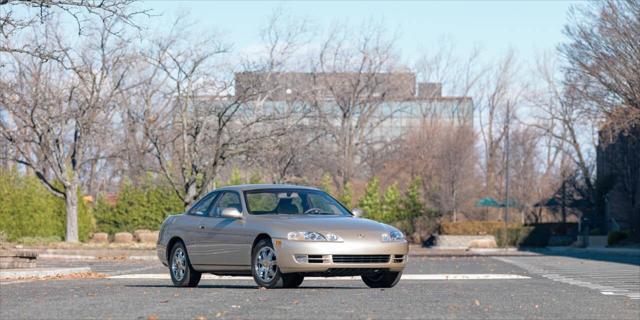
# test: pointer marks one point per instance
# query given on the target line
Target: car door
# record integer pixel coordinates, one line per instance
(192, 227)
(228, 242)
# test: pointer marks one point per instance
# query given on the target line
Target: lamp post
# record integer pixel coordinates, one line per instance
(506, 175)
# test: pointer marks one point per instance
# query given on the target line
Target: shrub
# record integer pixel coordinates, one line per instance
(370, 202)
(473, 227)
(143, 207)
(427, 224)
(524, 236)
(616, 237)
(29, 210)
(516, 237)
(406, 226)
(346, 197)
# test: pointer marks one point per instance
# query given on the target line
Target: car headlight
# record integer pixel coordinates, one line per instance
(333, 237)
(392, 236)
(312, 236)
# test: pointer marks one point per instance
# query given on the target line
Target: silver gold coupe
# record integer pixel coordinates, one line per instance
(279, 234)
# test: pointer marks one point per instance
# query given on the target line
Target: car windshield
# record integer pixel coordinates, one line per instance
(293, 201)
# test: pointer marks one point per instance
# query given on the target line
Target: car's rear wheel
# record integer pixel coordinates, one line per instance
(264, 266)
(292, 280)
(182, 274)
(382, 279)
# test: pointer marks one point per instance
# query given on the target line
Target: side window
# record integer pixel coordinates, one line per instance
(226, 200)
(200, 208)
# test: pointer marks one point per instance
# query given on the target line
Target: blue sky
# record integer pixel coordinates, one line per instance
(526, 26)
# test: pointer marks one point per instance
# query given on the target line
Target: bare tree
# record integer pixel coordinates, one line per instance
(497, 101)
(353, 81)
(443, 156)
(559, 117)
(461, 75)
(58, 111)
(200, 117)
(603, 63)
(14, 22)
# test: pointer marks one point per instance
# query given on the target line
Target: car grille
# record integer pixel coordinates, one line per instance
(378, 258)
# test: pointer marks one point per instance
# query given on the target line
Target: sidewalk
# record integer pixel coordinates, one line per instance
(98, 254)
(419, 251)
(17, 274)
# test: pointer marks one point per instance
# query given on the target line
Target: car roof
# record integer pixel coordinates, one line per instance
(246, 187)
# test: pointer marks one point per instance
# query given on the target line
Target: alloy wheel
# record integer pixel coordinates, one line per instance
(266, 264)
(179, 264)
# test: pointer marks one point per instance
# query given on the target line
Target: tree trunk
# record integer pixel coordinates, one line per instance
(71, 204)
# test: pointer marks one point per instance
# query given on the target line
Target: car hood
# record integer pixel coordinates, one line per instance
(341, 225)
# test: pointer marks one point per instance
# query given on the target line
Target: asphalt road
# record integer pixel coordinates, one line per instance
(558, 287)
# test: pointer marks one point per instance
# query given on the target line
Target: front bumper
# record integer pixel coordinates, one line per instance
(161, 252)
(287, 250)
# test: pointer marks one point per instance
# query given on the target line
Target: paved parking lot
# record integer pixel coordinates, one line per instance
(548, 287)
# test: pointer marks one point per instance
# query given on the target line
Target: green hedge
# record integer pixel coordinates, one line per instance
(525, 236)
(143, 207)
(27, 209)
(615, 237)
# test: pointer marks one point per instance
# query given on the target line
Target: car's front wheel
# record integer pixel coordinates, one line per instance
(264, 266)
(182, 274)
(382, 279)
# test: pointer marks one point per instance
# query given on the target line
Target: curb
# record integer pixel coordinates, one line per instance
(509, 252)
(41, 273)
(90, 257)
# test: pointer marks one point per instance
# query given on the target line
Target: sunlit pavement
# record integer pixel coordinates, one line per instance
(549, 287)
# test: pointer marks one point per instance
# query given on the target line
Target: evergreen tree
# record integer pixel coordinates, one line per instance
(347, 196)
(370, 202)
(326, 184)
(412, 205)
(391, 204)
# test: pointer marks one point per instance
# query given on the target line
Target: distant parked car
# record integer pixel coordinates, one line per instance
(279, 234)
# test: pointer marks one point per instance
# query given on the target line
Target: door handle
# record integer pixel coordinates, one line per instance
(201, 226)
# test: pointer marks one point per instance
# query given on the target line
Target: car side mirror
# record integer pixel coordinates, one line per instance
(232, 213)
(357, 212)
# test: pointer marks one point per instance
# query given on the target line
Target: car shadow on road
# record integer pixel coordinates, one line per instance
(233, 286)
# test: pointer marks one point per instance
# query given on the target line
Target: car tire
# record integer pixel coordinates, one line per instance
(292, 280)
(180, 269)
(264, 267)
(383, 279)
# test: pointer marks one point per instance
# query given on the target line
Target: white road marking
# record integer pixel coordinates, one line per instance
(608, 278)
(165, 276)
